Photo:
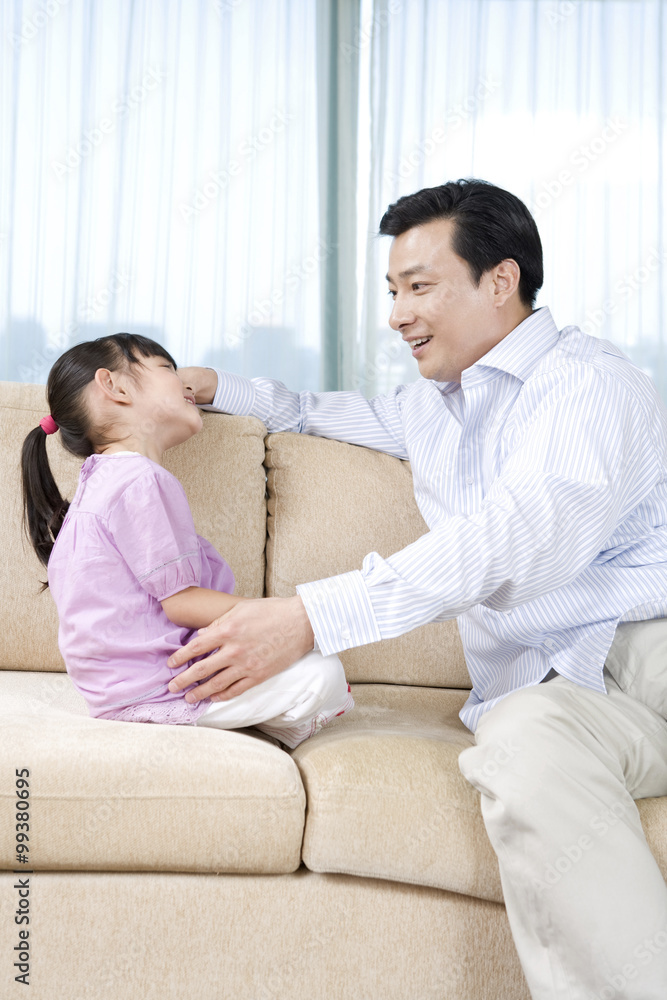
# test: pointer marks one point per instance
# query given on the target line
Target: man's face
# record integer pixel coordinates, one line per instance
(435, 298)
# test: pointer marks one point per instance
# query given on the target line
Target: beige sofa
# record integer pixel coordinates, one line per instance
(176, 862)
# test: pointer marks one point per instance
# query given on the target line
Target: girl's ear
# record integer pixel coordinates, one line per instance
(112, 385)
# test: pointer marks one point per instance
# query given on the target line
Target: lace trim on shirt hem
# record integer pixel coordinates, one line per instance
(175, 713)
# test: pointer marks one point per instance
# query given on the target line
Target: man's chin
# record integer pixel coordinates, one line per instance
(432, 373)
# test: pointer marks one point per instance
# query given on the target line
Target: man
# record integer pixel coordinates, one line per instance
(539, 461)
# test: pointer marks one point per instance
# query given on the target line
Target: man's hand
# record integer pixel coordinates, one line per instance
(202, 381)
(254, 641)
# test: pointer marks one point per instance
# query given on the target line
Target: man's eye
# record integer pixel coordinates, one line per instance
(392, 292)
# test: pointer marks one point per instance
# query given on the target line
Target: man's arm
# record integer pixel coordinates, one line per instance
(344, 416)
(586, 459)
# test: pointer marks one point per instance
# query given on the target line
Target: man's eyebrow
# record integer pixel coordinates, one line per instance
(411, 271)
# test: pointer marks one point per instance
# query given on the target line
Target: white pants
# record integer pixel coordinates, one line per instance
(291, 705)
(559, 766)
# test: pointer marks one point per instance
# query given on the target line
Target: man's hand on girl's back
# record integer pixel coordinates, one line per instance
(255, 640)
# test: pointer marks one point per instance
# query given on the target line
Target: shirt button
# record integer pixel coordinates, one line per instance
(550, 644)
(469, 480)
(345, 633)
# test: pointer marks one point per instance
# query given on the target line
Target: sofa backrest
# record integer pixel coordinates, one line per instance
(223, 475)
(330, 504)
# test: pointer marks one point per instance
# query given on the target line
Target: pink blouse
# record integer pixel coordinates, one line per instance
(128, 542)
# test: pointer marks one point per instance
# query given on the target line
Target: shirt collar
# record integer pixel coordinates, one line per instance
(520, 351)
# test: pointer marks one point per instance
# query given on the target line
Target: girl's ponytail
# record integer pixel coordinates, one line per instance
(43, 507)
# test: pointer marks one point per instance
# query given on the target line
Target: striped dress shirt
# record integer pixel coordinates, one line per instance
(542, 479)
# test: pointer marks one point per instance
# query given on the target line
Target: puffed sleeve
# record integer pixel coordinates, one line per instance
(216, 573)
(152, 528)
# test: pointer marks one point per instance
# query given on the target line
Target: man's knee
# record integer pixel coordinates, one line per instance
(514, 740)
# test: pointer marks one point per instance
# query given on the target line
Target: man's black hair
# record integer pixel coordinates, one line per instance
(490, 225)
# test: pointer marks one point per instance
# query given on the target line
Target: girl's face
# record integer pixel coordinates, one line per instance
(164, 407)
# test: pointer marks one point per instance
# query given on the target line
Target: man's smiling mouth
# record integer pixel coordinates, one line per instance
(417, 346)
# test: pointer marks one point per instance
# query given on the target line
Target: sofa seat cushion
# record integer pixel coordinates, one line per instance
(386, 798)
(122, 796)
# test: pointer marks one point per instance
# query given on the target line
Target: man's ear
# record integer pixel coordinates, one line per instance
(506, 278)
(112, 385)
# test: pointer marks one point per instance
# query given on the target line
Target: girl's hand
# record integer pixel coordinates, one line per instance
(253, 641)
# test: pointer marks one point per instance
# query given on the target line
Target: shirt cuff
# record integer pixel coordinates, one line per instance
(340, 611)
(234, 394)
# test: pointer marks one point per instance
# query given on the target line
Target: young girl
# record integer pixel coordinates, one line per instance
(130, 577)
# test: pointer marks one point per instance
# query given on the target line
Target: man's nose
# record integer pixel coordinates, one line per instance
(401, 314)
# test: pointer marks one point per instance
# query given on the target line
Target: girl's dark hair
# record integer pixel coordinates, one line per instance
(490, 225)
(43, 507)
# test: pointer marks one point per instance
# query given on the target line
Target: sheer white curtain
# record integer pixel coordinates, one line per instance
(212, 172)
(564, 104)
(159, 172)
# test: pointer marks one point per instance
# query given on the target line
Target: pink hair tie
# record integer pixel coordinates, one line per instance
(48, 425)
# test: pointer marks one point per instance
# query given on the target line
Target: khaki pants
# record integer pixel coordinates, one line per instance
(559, 767)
